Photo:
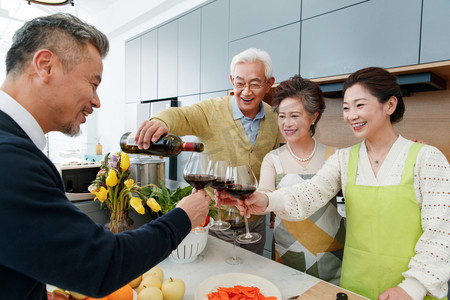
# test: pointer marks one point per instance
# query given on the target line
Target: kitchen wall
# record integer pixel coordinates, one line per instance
(188, 55)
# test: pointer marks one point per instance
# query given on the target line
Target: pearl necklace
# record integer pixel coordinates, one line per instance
(303, 159)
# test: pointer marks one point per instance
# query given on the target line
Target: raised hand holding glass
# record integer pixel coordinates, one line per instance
(241, 183)
(198, 171)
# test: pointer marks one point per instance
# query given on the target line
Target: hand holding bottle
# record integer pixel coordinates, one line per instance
(150, 131)
(168, 145)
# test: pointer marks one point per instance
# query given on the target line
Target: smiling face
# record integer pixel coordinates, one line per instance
(294, 120)
(366, 116)
(75, 93)
(248, 99)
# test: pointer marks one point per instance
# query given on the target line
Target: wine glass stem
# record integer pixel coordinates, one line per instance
(219, 220)
(234, 245)
(247, 230)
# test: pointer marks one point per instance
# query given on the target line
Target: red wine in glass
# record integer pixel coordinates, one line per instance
(240, 191)
(198, 171)
(220, 171)
(241, 183)
(200, 181)
(220, 184)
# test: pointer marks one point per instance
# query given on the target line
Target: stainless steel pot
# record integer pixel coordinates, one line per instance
(146, 170)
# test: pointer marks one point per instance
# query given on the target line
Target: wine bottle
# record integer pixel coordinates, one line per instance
(168, 145)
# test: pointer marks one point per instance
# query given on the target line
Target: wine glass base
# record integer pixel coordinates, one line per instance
(220, 225)
(234, 260)
(248, 238)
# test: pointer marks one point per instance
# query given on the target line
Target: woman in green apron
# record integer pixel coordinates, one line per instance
(396, 193)
(315, 245)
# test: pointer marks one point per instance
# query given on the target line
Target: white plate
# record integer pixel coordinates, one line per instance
(231, 279)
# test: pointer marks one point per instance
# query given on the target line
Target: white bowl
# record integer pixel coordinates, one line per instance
(192, 245)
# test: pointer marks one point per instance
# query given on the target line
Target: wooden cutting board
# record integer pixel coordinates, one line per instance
(327, 291)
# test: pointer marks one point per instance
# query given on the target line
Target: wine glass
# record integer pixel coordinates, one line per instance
(198, 171)
(220, 171)
(236, 221)
(241, 183)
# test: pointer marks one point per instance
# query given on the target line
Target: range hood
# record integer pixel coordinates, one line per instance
(416, 82)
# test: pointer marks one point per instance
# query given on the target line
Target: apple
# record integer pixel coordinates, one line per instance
(135, 282)
(155, 271)
(173, 289)
(150, 293)
(149, 281)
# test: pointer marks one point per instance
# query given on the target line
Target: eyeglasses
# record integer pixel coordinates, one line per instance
(252, 86)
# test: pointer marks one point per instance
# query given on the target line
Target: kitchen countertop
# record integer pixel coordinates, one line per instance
(290, 282)
(211, 262)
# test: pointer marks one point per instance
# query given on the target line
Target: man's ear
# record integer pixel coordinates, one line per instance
(43, 64)
(270, 82)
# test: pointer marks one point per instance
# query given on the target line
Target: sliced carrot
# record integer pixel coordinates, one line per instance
(238, 292)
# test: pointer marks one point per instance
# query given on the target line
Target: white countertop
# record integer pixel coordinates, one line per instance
(211, 262)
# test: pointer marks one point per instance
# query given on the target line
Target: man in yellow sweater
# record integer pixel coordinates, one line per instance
(240, 128)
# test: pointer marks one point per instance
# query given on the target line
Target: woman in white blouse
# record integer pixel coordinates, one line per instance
(397, 196)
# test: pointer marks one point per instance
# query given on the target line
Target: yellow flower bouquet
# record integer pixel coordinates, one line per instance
(113, 188)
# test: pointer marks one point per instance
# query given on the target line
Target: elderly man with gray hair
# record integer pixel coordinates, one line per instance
(239, 128)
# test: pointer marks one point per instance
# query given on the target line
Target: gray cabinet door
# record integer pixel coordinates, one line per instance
(255, 16)
(168, 60)
(435, 43)
(215, 71)
(189, 54)
(312, 8)
(133, 70)
(149, 65)
(381, 33)
(282, 44)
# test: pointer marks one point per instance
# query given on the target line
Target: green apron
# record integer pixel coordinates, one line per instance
(383, 227)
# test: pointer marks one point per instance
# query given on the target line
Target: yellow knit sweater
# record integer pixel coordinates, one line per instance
(212, 122)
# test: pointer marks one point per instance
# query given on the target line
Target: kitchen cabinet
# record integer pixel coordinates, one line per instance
(189, 54)
(133, 70)
(380, 33)
(282, 44)
(168, 60)
(149, 65)
(214, 62)
(312, 8)
(255, 16)
(435, 41)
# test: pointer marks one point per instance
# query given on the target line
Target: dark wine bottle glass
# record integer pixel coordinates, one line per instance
(220, 171)
(241, 183)
(168, 145)
(199, 171)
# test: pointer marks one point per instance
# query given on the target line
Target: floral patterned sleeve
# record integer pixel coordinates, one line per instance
(300, 201)
(430, 267)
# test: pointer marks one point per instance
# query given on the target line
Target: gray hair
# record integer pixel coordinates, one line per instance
(63, 34)
(251, 55)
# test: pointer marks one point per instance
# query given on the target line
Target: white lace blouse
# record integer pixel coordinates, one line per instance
(429, 269)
